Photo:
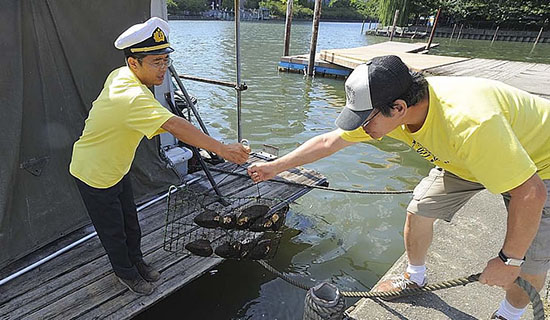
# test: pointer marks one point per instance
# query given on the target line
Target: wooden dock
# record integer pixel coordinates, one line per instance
(80, 283)
(340, 62)
(531, 77)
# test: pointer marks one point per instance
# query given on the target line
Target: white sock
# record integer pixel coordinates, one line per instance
(508, 311)
(417, 273)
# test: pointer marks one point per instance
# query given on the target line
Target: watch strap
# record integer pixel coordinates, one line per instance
(510, 261)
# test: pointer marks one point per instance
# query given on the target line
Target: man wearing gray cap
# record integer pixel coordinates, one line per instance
(479, 134)
(124, 112)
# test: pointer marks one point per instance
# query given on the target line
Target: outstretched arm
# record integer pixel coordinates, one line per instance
(188, 133)
(312, 150)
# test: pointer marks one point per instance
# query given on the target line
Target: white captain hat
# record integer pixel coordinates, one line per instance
(150, 37)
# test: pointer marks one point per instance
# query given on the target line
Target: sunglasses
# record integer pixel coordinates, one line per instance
(368, 120)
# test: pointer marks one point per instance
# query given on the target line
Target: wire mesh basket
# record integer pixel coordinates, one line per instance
(247, 228)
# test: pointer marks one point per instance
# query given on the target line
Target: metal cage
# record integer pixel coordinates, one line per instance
(248, 228)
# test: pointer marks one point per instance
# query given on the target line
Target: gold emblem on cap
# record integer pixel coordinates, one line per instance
(158, 35)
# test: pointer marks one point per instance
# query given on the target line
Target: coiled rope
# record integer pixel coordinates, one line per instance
(534, 297)
(318, 187)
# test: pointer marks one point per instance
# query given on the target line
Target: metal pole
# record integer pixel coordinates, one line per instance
(395, 16)
(288, 25)
(495, 35)
(314, 33)
(238, 62)
(187, 98)
(433, 29)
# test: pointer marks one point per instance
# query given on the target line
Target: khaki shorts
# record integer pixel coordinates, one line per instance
(441, 194)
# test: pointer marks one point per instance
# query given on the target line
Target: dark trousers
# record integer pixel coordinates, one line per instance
(114, 216)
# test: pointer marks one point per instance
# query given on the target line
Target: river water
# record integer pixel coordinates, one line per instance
(347, 239)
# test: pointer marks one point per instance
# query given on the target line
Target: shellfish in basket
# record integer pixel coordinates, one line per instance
(207, 219)
(256, 250)
(273, 221)
(211, 219)
(229, 250)
(250, 214)
(200, 247)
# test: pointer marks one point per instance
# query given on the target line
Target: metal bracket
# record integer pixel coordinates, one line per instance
(35, 165)
(272, 150)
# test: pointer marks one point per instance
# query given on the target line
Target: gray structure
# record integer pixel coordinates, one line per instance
(56, 56)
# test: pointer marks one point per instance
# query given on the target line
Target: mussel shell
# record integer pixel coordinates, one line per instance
(207, 219)
(259, 251)
(250, 214)
(278, 218)
(261, 224)
(228, 221)
(229, 250)
(200, 247)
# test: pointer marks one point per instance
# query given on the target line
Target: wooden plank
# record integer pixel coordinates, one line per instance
(81, 281)
(90, 271)
(531, 77)
(101, 296)
(94, 249)
(413, 60)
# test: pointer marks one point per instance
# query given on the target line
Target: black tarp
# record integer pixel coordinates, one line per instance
(56, 55)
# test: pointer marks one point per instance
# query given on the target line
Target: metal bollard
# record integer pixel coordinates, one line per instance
(324, 301)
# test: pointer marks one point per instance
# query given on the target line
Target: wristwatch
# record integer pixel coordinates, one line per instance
(510, 261)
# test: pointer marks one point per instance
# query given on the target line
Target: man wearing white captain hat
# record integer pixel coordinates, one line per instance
(124, 112)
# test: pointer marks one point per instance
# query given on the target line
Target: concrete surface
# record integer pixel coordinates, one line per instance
(460, 248)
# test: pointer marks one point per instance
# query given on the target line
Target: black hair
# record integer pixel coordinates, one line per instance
(138, 56)
(416, 93)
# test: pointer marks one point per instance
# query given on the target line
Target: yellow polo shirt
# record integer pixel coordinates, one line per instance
(481, 130)
(125, 111)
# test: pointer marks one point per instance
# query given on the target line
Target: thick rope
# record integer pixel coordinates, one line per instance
(315, 311)
(534, 297)
(320, 187)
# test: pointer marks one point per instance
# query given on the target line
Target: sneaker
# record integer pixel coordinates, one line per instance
(496, 316)
(398, 284)
(147, 272)
(138, 286)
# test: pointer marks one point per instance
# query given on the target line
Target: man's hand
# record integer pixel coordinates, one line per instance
(262, 171)
(496, 273)
(235, 152)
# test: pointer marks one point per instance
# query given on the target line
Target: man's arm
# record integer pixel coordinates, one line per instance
(312, 150)
(188, 133)
(524, 214)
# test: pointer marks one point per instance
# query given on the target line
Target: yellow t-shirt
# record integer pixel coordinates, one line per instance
(124, 112)
(481, 130)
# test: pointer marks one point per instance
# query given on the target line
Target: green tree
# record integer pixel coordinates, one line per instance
(386, 11)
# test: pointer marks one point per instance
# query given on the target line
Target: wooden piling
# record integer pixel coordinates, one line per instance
(452, 33)
(495, 35)
(395, 16)
(288, 25)
(538, 38)
(362, 26)
(433, 29)
(314, 34)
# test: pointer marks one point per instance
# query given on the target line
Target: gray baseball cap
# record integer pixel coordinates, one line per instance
(380, 81)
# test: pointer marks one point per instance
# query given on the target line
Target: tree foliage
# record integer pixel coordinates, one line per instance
(494, 11)
(192, 6)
